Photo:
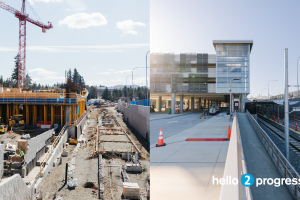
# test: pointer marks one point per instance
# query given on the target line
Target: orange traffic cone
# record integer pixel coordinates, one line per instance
(10, 132)
(160, 140)
(229, 133)
(103, 149)
(121, 128)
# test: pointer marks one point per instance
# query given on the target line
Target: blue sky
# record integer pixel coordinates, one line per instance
(104, 40)
(191, 26)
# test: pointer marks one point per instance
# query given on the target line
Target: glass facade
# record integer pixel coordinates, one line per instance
(233, 62)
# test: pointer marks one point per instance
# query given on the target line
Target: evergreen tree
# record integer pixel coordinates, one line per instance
(69, 74)
(75, 77)
(15, 72)
(28, 81)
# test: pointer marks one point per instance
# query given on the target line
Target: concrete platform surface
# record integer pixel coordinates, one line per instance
(259, 163)
(184, 170)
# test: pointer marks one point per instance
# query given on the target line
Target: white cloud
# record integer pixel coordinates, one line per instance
(83, 20)
(128, 26)
(75, 9)
(46, 75)
(45, 1)
(101, 48)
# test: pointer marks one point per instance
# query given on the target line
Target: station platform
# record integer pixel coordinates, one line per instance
(258, 163)
(184, 169)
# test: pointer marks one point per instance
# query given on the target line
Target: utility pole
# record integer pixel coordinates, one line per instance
(286, 104)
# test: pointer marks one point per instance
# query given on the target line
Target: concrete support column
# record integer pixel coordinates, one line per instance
(173, 103)
(199, 104)
(232, 103)
(67, 112)
(243, 103)
(192, 104)
(159, 104)
(181, 104)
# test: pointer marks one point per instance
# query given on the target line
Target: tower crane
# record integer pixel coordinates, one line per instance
(23, 17)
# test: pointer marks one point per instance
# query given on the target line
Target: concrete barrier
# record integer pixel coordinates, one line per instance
(138, 117)
(235, 166)
(76, 131)
(56, 152)
(1, 159)
(36, 144)
(14, 188)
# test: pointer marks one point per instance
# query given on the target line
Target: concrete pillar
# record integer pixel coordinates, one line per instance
(192, 104)
(159, 104)
(181, 104)
(232, 104)
(173, 103)
(243, 103)
(67, 111)
(199, 104)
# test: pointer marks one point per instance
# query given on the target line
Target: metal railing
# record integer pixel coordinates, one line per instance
(50, 150)
(285, 169)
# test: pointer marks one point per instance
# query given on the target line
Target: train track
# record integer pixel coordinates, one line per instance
(294, 142)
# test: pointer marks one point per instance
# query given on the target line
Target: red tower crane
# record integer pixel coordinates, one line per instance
(23, 17)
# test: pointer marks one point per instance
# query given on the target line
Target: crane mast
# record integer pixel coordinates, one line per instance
(23, 17)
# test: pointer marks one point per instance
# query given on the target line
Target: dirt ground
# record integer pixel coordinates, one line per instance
(86, 167)
(113, 184)
(86, 170)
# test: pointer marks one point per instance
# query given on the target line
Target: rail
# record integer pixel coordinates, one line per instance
(284, 167)
(49, 152)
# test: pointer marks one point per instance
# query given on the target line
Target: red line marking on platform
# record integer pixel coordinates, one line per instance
(205, 139)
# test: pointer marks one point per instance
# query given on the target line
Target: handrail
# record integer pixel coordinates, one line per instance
(284, 167)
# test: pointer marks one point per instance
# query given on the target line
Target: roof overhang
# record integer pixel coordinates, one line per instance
(233, 42)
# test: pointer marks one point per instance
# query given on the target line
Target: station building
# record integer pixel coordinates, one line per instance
(195, 81)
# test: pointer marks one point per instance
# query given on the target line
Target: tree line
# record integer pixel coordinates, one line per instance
(75, 77)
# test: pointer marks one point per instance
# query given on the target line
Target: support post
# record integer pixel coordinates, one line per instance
(173, 103)
(34, 115)
(27, 114)
(192, 104)
(52, 115)
(286, 103)
(61, 116)
(181, 104)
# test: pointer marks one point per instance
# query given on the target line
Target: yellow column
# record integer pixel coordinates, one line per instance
(61, 116)
(7, 113)
(13, 110)
(52, 117)
(70, 109)
(45, 113)
(27, 114)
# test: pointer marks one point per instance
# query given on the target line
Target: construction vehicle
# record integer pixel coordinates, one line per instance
(3, 127)
(17, 121)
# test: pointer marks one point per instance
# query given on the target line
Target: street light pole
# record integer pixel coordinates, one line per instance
(146, 78)
(132, 80)
(126, 86)
(262, 90)
(286, 103)
(297, 78)
(268, 88)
